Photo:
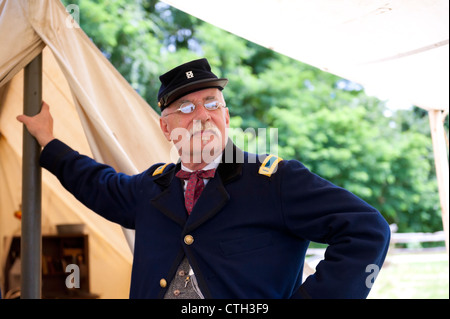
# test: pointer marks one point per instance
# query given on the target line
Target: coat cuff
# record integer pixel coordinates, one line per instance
(52, 153)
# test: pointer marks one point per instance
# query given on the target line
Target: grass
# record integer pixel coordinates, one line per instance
(413, 276)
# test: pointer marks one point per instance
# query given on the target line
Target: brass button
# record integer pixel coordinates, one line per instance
(188, 239)
(176, 292)
(163, 283)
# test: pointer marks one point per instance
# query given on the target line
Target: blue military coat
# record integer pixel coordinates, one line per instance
(247, 234)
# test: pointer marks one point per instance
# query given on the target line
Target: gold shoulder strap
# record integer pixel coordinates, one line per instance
(269, 165)
(160, 169)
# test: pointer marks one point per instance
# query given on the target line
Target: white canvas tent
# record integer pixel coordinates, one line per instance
(399, 48)
(95, 110)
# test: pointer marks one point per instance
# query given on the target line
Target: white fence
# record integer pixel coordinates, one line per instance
(399, 238)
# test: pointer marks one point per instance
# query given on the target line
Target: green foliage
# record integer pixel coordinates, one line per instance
(326, 122)
(413, 276)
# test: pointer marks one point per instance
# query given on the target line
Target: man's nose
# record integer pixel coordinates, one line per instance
(201, 113)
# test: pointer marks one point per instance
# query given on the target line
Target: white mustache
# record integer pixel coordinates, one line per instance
(186, 135)
(199, 127)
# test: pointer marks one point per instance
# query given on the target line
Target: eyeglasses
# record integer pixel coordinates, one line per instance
(189, 107)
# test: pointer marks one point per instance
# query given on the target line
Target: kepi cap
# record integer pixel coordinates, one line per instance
(185, 79)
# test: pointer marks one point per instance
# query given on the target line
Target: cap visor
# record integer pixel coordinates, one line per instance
(193, 87)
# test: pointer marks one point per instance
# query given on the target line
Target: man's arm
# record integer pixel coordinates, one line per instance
(357, 235)
(40, 125)
(98, 186)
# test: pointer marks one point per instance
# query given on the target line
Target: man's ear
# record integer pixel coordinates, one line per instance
(227, 118)
(164, 128)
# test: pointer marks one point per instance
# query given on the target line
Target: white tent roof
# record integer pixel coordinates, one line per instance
(398, 48)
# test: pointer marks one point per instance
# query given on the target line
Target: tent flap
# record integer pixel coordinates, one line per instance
(88, 100)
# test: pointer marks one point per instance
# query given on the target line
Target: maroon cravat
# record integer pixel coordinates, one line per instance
(195, 185)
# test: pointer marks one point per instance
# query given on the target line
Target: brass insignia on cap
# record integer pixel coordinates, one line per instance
(189, 74)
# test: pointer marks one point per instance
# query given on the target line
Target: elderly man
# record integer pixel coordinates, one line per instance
(246, 235)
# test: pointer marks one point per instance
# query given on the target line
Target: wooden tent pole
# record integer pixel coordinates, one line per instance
(31, 241)
(441, 163)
